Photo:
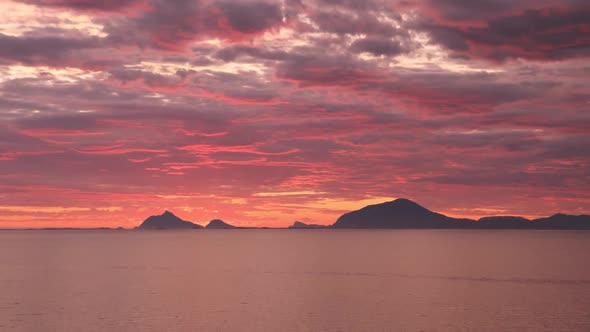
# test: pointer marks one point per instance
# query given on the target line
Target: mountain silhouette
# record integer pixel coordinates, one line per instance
(400, 213)
(504, 222)
(219, 224)
(563, 221)
(167, 220)
(300, 225)
(403, 213)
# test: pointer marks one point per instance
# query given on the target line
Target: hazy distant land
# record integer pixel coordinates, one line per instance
(398, 214)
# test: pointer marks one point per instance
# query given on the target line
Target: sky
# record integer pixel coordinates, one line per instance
(265, 112)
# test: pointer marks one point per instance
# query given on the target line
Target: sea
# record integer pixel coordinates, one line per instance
(294, 280)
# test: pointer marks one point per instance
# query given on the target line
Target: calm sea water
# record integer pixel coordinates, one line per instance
(295, 280)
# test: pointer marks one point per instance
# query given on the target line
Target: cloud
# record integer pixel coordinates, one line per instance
(350, 23)
(547, 33)
(55, 51)
(376, 46)
(171, 27)
(251, 17)
(236, 51)
(85, 5)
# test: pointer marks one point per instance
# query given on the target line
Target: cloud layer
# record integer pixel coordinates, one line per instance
(262, 112)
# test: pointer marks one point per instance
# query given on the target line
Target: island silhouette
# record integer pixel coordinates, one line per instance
(167, 220)
(219, 224)
(401, 213)
(300, 225)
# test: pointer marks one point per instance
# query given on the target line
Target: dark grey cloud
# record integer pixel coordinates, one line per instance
(551, 33)
(460, 10)
(342, 22)
(46, 50)
(170, 26)
(102, 5)
(148, 78)
(377, 46)
(251, 17)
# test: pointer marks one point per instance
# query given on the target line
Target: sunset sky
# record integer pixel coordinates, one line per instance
(266, 112)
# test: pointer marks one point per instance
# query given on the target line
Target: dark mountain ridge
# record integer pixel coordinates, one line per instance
(500, 222)
(563, 221)
(167, 220)
(404, 213)
(400, 213)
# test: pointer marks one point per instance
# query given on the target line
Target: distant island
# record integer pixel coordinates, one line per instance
(300, 225)
(219, 224)
(405, 214)
(398, 214)
(167, 220)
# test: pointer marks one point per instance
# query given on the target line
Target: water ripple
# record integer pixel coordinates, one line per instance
(451, 278)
